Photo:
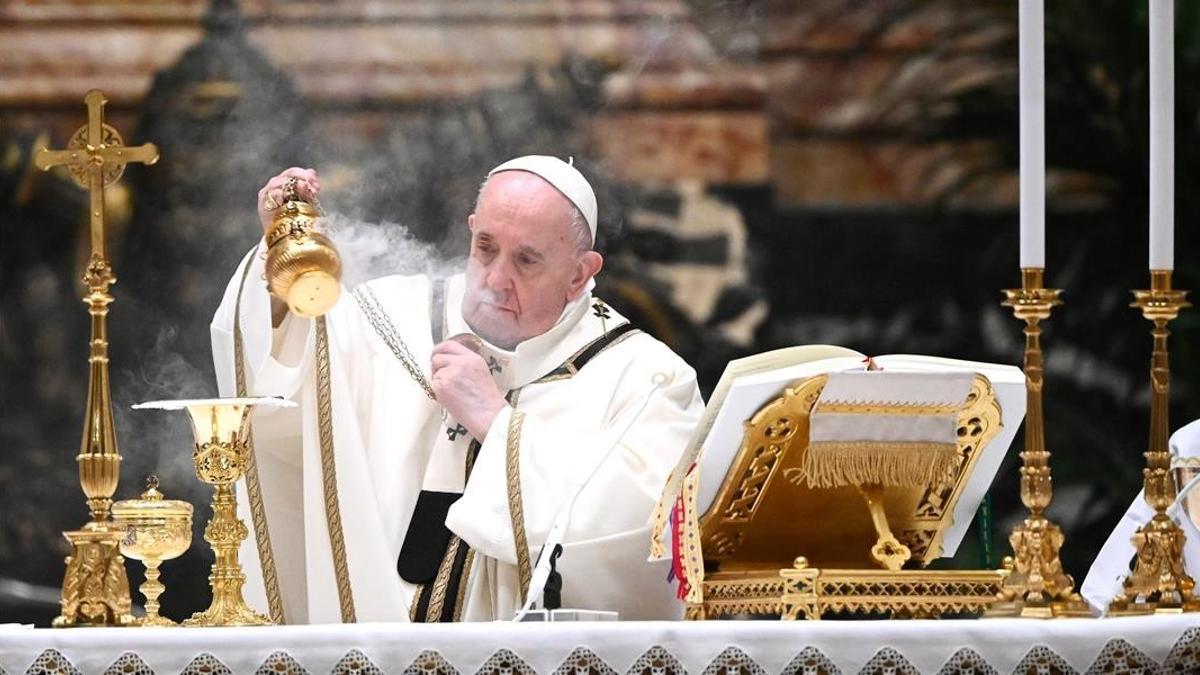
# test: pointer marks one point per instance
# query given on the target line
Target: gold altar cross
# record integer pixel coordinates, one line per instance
(95, 589)
(96, 156)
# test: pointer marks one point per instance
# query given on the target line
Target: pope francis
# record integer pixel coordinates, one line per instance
(463, 418)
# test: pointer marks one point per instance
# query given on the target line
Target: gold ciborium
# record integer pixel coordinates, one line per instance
(156, 529)
(303, 268)
(222, 430)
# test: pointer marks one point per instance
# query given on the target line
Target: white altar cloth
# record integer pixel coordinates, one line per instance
(1125, 645)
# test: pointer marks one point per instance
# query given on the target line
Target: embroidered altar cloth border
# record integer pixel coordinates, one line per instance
(1123, 645)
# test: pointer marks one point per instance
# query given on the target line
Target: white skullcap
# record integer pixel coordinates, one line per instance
(564, 177)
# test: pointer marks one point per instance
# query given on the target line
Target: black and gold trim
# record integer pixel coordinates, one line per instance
(453, 571)
(589, 351)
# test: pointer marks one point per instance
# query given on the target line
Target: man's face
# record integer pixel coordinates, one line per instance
(524, 264)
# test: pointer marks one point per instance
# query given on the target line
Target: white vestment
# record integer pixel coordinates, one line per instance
(391, 442)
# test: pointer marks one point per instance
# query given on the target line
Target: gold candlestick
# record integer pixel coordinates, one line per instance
(1037, 587)
(95, 589)
(1158, 583)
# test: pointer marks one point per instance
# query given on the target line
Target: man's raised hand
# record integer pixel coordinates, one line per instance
(270, 197)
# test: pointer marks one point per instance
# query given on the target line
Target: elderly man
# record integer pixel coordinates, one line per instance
(420, 475)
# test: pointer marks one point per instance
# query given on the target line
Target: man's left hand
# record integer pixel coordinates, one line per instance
(464, 386)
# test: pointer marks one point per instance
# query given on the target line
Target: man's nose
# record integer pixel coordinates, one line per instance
(499, 276)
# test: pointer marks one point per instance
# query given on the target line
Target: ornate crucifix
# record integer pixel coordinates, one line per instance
(95, 588)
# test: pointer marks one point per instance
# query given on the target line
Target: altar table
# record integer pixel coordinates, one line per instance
(1152, 644)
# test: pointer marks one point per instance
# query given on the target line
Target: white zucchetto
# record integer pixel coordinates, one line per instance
(564, 177)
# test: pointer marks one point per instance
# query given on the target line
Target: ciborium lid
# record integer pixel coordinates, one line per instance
(151, 505)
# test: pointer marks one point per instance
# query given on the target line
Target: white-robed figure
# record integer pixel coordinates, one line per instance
(423, 485)
(1112, 563)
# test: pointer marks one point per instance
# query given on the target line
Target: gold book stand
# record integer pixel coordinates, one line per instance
(772, 546)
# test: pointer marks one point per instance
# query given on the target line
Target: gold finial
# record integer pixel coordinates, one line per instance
(152, 493)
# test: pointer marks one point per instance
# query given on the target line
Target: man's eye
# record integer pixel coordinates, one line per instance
(528, 260)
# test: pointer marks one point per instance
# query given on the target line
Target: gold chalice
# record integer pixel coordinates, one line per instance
(222, 430)
(156, 529)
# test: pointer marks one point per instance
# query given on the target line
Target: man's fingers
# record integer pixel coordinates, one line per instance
(275, 194)
(307, 184)
(440, 361)
(299, 172)
(451, 347)
(304, 188)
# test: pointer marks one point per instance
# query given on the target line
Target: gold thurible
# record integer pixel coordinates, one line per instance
(1036, 587)
(95, 589)
(1158, 583)
(303, 267)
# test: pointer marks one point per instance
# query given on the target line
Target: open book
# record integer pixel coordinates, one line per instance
(750, 383)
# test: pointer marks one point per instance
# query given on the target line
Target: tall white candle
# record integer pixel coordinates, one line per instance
(1031, 47)
(1162, 134)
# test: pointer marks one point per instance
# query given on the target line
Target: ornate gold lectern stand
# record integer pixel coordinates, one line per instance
(856, 538)
(95, 589)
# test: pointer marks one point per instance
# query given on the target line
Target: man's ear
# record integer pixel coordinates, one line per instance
(587, 266)
(471, 222)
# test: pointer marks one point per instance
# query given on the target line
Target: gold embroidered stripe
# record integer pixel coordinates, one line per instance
(438, 596)
(333, 514)
(516, 510)
(886, 408)
(463, 581)
(258, 512)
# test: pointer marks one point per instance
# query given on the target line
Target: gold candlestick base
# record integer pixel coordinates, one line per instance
(95, 589)
(1158, 583)
(1036, 587)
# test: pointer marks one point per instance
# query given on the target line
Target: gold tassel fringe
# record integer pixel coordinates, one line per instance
(830, 464)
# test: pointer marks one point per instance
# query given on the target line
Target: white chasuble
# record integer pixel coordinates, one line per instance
(337, 503)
